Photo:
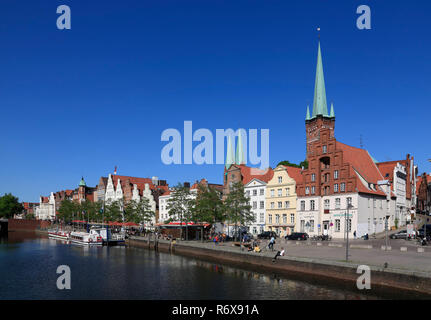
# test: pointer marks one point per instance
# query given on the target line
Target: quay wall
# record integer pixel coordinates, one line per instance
(391, 283)
(27, 225)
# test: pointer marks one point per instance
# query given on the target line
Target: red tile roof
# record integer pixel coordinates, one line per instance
(294, 173)
(361, 161)
(249, 174)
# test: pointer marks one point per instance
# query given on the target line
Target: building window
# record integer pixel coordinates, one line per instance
(336, 174)
(254, 204)
(280, 179)
(270, 218)
(272, 205)
(324, 149)
(280, 205)
(327, 203)
(337, 203)
(292, 218)
(307, 190)
(349, 225)
(311, 225)
(302, 205)
(313, 177)
(272, 193)
(349, 201)
(285, 218)
(255, 192)
(262, 192)
(287, 204)
(247, 193)
(337, 225)
(312, 205)
(262, 217)
(277, 219)
(313, 190)
(343, 187)
(336, 187)
(262, 204)
(302, 225)
(287, 191)
(279, 192)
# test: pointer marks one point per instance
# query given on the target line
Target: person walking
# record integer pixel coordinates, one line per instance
(271, 243)
(354, 234)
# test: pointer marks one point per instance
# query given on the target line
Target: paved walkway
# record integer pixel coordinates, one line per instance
(409, 261)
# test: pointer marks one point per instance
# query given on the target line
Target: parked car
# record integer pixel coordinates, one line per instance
(399, 235)
(267, 235)
(297, 236)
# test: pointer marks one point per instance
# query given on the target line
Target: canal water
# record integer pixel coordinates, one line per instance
(28, 265)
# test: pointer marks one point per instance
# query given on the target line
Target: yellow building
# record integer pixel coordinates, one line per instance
(281, 200)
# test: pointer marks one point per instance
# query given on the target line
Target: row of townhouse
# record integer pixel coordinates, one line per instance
(111, 188)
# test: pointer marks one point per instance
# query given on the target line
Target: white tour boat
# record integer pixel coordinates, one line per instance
(59, 234)
(108, 237)
(85, 238)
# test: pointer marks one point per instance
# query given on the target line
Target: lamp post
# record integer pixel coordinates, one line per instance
(349, 206)
(386, 229)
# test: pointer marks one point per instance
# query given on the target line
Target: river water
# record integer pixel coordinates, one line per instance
(28, 265)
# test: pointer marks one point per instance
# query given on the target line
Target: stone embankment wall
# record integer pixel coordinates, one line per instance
(27, 225)
(399, 283)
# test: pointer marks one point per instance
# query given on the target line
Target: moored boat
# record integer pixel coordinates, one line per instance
(85, 238)
(58, 234)
(108, 237)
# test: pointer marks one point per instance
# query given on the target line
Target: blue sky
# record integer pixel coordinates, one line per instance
(79, 102)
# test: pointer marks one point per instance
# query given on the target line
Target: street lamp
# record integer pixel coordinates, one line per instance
(386, 229)
(349, 206)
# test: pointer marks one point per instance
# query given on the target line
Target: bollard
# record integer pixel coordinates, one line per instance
(388, 248)
(319, 244)
(421, 249)
(403, 249)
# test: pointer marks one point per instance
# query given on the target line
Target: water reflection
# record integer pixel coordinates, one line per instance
(132, 273)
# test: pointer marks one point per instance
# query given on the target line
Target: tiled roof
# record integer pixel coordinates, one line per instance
(294, 173)
(363, 164)
(249, 174)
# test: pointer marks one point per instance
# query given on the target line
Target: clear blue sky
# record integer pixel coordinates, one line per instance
(79, 102)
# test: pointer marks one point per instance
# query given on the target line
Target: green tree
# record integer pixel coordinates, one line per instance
(139, 211)
(9, 206)
(68, 211)
(180, 205)
(238, 209)
(114, 211)
(289, 164)
(208, 206)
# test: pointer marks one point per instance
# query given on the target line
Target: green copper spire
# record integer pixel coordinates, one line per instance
(319, 103)
(239, 156)
(307, 117)
(82, 182)
(332, 114)
(229, 153)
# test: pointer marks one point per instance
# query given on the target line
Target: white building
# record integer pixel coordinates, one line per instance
(46, 209)
(255, 190)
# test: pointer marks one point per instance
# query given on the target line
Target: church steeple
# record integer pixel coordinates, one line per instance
(332, 114)
(230, 157)
(319, 102)
(239, 156)
(307, 116)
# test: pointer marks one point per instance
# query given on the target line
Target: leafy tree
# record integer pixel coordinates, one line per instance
(114, 211)
(9, 206)
(238, 209)
(180, 205)
(30, 216)
(208, 206)
(139, 211)
(68, 211)
(289, 164)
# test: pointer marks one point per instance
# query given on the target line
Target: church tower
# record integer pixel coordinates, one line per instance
(320, 123)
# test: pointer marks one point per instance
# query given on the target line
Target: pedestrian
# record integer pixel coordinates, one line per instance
(354, 234)
(278, 254)
(271, 243)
